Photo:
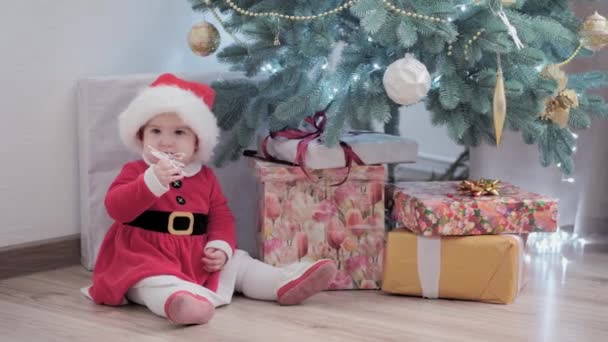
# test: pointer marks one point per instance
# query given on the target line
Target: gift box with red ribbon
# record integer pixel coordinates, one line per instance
(304, 147)
(308, 217)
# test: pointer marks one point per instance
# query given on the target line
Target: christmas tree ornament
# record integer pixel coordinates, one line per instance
(500, 103)
(594, 32)
(557, 108)
(507, 3)
(203, 39)
(510, 28)
(172, 158)
(406, 80)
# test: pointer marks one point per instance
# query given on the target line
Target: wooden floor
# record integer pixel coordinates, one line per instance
(563, 301)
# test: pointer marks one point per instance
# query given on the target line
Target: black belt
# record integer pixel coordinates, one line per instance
(171, 222)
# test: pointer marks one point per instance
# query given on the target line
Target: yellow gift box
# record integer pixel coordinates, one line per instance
(487, 268)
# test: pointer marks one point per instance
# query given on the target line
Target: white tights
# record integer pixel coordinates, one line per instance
(242, 274)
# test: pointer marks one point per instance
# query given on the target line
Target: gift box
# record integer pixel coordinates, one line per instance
(487, 268)
(304, 147)
(439, 208)
(307, 217)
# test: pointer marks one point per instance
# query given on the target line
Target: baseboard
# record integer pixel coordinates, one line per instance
(39, 256)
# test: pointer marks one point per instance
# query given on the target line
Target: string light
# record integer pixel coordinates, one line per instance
(435, 82)
(554, 243)
(269, 68)
(549, 243)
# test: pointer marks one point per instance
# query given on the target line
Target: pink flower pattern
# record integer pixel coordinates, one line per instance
(310, 219)
(436, 208)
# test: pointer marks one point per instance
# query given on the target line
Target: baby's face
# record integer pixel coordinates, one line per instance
(167, 132)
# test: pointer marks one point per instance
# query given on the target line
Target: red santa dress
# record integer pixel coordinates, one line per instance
(130, 253)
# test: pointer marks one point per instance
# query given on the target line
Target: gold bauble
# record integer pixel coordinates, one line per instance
(203, 39)
(594, 32)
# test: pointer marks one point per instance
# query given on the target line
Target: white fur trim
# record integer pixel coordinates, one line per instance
(153, 183)
(162, 99)
(222, 246)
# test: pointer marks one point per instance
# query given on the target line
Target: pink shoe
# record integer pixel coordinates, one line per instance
(306, 280)
(184, 307)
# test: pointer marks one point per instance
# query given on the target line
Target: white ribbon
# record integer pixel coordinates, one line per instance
(520, 261)
(429, 265)
(510, 28)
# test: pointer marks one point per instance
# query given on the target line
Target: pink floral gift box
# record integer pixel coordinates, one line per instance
(302, 218)
(438, 208)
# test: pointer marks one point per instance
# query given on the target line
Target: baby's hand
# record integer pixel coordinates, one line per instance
(166, 172)
(214, 259)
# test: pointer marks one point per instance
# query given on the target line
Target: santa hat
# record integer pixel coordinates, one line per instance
(191, 101)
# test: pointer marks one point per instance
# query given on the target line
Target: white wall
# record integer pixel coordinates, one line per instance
(47, 45)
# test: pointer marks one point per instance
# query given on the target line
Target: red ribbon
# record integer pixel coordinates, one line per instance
(317, 121)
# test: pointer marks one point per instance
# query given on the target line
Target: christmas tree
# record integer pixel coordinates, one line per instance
(489, 61)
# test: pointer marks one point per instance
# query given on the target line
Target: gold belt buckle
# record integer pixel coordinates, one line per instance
(172, 218)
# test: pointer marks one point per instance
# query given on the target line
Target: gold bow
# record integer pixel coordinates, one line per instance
(482, 187)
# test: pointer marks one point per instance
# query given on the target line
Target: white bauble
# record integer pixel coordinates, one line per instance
(406, 80)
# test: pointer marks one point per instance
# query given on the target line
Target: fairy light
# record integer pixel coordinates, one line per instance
(555, 243)
(268, 67)
(436, 81)
(376, 66)
(549, 243)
